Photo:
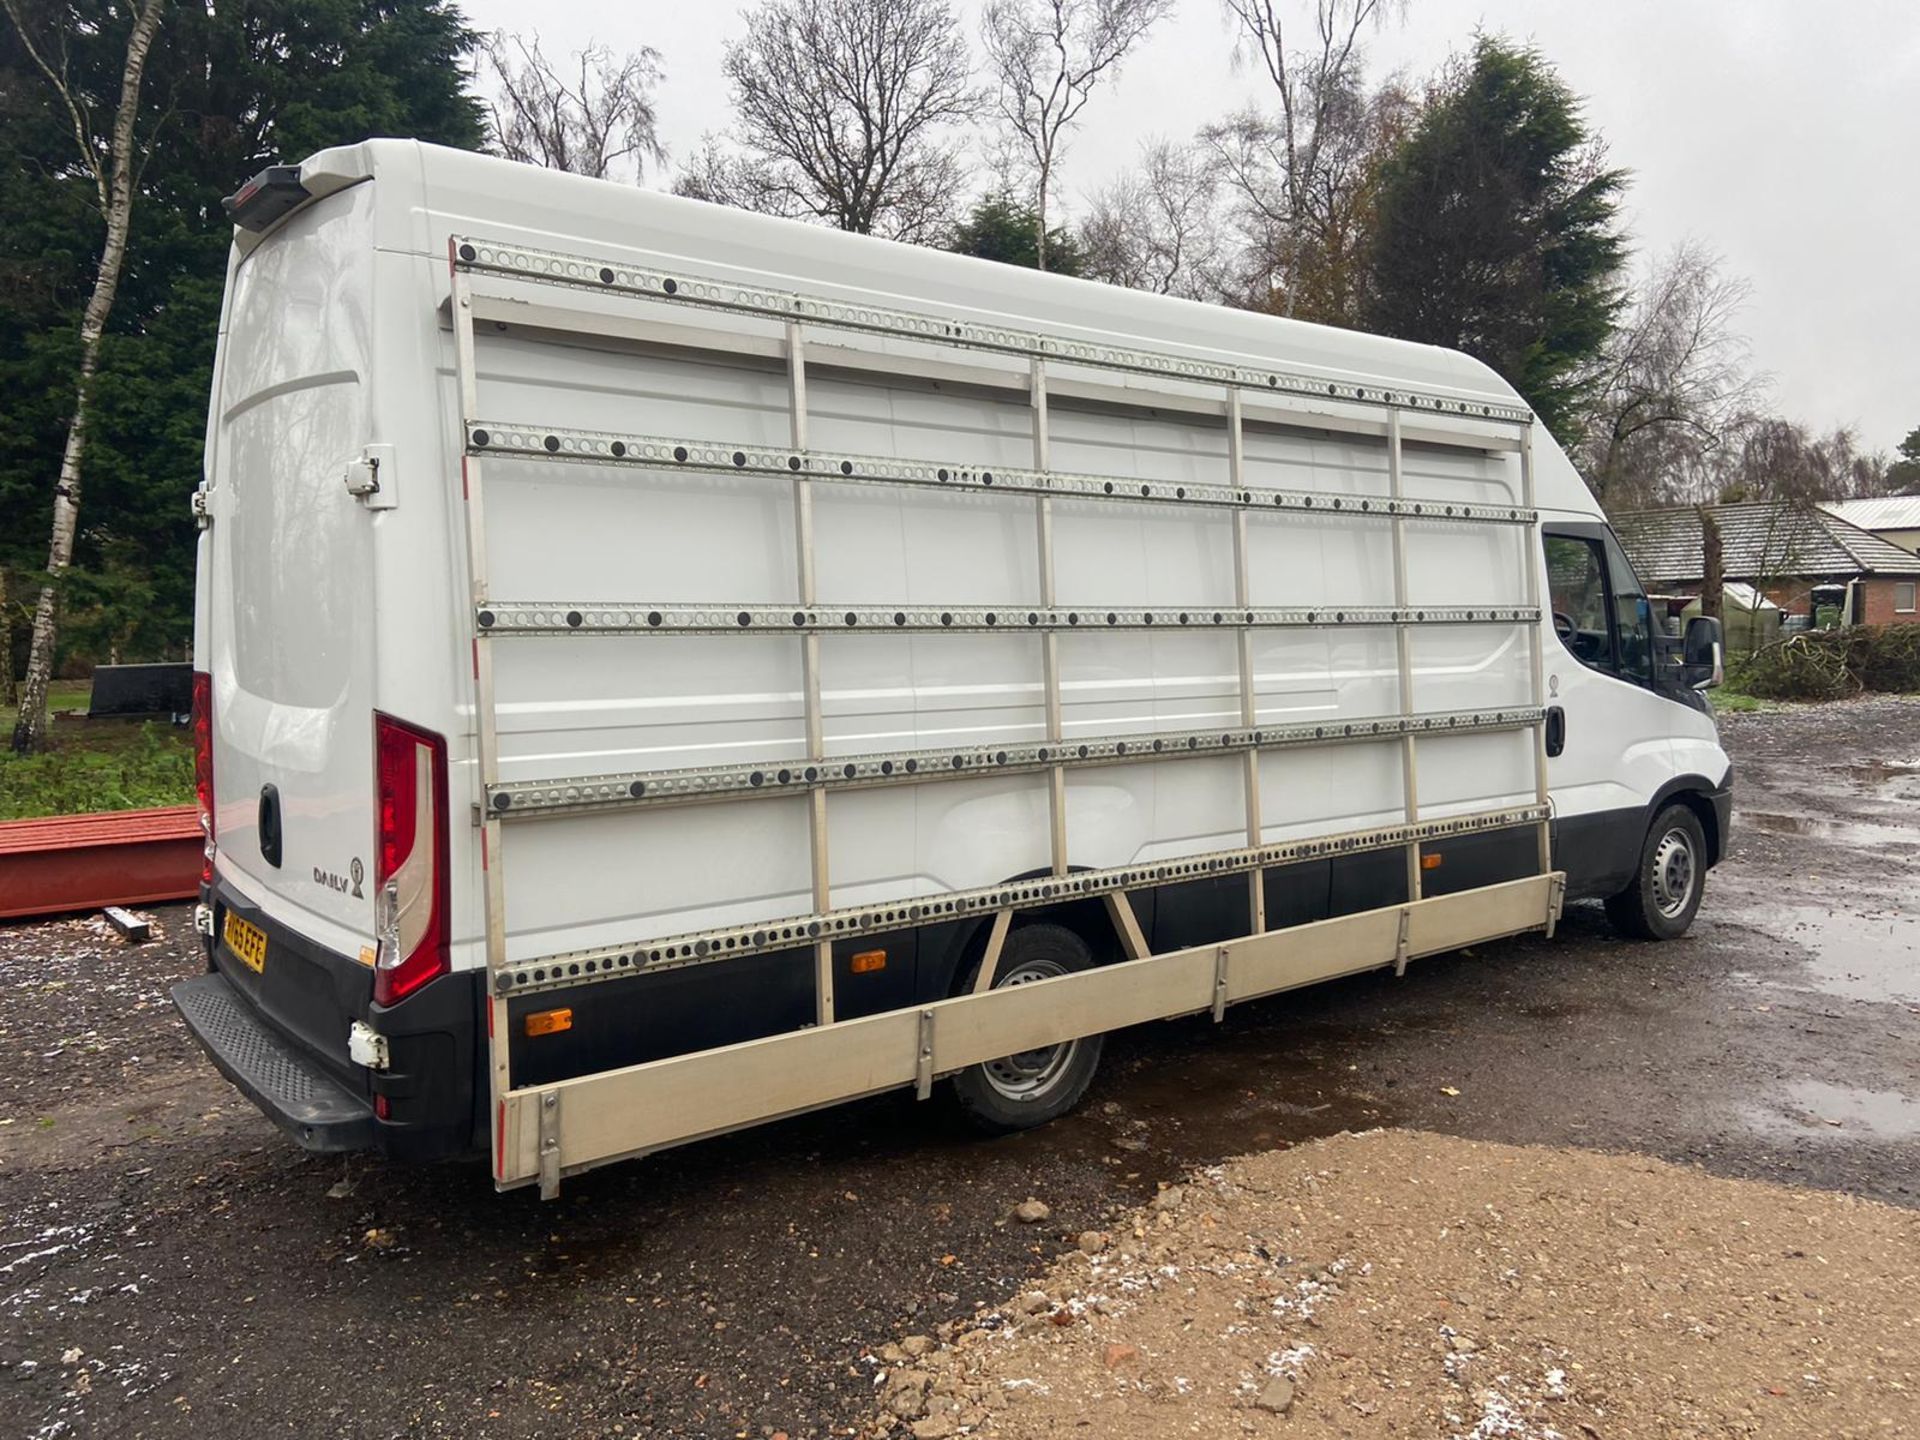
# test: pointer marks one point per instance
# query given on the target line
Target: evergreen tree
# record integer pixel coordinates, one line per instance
(1497, 230)
(1001, 228)
(1903, 475)
(228, 90)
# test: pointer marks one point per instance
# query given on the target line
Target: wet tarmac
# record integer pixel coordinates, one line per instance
(214, 1281)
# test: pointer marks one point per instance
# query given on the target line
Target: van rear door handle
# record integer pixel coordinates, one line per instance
(1556, 730)
(270, 825)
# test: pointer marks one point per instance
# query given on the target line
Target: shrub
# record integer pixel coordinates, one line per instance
(1832, 664)
(155, 767)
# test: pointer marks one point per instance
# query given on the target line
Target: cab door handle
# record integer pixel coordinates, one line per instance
(1556, 730)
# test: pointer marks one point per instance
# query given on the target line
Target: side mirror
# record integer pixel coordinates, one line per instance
(1703, 653)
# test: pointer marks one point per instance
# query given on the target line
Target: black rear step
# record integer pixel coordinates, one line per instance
(296, 1094)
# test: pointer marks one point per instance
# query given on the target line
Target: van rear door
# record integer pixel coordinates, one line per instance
(291, 630)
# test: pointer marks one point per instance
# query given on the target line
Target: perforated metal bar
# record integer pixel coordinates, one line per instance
(613, 962)
(640, 788)
(1249, 707)
(818, 853)
(561, 617)
(610, 276)
(1403, 653)
(487, 739)
(1049, 643)
(670, 454)
(1532, 560)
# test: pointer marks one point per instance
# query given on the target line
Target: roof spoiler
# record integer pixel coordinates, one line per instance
(266, 197)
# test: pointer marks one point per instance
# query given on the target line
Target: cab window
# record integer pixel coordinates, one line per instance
(1577, 581)
(1632, 618)
(1600, 612)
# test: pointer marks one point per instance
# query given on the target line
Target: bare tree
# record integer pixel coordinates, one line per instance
(1297, 173)
(108, 162)
(843, 110)
(1781, 460)
(1673, 385)
(1159, 228)
(596, 119)
(1047, 56)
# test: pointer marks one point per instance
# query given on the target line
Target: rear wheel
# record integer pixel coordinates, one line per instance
(1665, 894)
(1018, 1092)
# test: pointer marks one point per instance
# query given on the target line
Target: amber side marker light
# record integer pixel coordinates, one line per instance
(1432, 862)
(549, 1022)
(868, 961)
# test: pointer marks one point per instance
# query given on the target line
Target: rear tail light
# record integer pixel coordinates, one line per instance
(202, 722)
(410, 858)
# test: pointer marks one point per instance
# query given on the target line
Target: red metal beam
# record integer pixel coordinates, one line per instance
(82, 862)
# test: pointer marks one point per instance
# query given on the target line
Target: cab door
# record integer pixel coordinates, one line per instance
(1610, 735)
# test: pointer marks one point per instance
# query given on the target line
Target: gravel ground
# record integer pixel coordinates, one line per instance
(1404, 1283)
(170, 1266)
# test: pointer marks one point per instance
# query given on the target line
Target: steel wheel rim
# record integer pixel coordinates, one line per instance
(1031, 1073)
(1673, 873)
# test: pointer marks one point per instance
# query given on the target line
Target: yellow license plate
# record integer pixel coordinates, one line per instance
(248, 941)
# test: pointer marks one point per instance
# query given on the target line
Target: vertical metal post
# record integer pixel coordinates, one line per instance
(1049, 642)
(1249, 707)
(492, 861)
(1532, 558)
(1403, 648)
(810, 669)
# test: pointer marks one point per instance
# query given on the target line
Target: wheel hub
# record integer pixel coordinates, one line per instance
(1673, 873)
(1029, 1074)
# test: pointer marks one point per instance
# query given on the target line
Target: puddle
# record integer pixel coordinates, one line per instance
(1861, 834)
(1900, 777)
(1875, 956)
(1814, 1108)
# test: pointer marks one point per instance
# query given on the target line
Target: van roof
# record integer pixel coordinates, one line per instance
(427, 188)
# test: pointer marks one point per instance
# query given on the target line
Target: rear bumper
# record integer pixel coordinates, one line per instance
(280, 1034)
(292, 1091)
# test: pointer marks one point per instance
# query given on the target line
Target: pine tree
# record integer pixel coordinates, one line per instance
(1497, 229)
(1001, 228)
(227, 90)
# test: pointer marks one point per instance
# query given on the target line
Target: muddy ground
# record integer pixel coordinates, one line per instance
(169, 1265)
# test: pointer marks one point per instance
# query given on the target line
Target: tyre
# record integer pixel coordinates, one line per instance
(1018, 1092)
(1665, 894)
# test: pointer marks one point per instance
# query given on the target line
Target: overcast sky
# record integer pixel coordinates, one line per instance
(1786, 135)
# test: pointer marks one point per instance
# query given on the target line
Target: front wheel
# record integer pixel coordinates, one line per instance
(1665, 894)
(1018, 1092)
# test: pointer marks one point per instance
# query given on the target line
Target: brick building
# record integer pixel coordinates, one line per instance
(1783, 551)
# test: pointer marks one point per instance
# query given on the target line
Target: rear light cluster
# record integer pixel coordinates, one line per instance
(202, 721)
(410, 858)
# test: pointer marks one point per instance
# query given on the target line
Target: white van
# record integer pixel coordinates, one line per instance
(667, 668)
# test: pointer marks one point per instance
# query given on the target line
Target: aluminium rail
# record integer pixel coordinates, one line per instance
(534, 1139)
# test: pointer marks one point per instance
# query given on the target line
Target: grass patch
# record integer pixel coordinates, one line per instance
(93, 765)
(1738, 703)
